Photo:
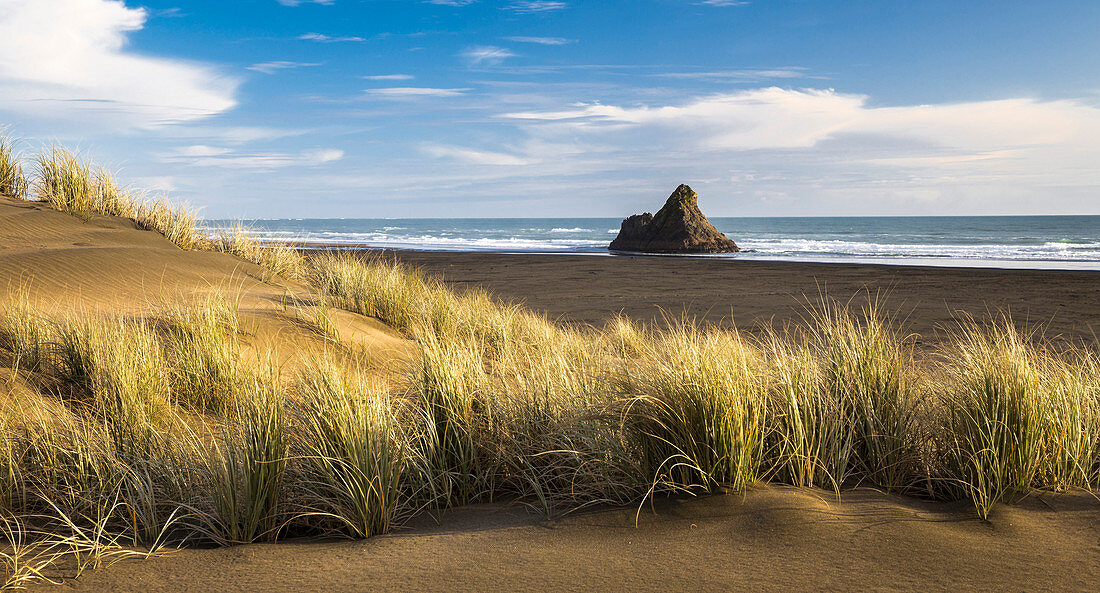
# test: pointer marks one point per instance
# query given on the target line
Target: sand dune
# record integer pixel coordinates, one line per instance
(770, 539)
(62, 263)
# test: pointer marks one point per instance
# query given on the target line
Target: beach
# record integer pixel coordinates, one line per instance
(592, 289)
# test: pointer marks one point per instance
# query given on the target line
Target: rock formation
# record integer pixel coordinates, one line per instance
(678, 227)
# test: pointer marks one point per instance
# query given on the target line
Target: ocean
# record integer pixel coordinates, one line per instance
(1053, 242)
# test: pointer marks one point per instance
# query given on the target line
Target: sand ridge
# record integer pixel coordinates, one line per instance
(107, 264)
(771, 538)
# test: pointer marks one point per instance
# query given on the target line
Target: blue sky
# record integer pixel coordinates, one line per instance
(410, 108)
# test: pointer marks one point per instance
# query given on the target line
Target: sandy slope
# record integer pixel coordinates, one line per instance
(107, 264)
(772, 539)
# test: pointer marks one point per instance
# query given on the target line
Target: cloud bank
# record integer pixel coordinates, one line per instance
(69, 59)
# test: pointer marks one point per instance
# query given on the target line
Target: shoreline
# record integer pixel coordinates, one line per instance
(740, 257)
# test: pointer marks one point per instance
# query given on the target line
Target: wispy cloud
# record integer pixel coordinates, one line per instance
(535, 6)
(275, 66)
(723, 2)
(231, 134)
(742, 75)
(475, 157)
(451, 2)
(415, 91)
(69, 58)
(322, 38)
(487, 55)
(165, 13)
(542, 40)
(389, 77)
(199, 155)
(300, 2)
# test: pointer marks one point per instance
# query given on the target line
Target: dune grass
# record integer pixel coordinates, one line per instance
(351, 447)
(12, 180)
(206, 374)
(282, 260)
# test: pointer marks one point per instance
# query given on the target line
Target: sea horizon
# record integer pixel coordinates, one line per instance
(1004, 241)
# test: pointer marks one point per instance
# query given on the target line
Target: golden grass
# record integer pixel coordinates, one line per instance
(276, 259)
(12, 180)
(351, 447)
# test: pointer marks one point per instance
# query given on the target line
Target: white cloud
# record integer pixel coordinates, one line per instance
(487, 55)
(542, 40)
(322, 155)
(165, 13)
(723, 2)
(389, 77)
(780, 118)
(231, 134)
(68, 59)
(322, 38)
(275, 66)
(451, 2)
(300, 2)
(399, 92)
(160, 183)
(201, 150)
(475, 157)
(742, 75)
(536, 6)
(217, 156)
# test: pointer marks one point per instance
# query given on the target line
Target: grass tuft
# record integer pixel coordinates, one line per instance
(13, 182)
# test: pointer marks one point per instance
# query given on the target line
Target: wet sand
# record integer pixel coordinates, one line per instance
(591, 289)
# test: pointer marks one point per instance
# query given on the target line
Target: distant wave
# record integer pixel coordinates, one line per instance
(1049, 251)
(434, 242)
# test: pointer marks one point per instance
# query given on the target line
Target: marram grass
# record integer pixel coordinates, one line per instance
(12, 180)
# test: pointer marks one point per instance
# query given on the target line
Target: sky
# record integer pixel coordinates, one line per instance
(482, 108)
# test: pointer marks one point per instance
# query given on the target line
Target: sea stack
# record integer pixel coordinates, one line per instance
(678, 227)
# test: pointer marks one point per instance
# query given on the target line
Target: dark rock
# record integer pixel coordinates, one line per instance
(678, 227)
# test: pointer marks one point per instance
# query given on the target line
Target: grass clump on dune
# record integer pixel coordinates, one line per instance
(72, 185)
(277, 259)
(247, 466)
(12, 180)
(867, 368)
(701, 406)
(203, 344)
(1019, 416)
(25, 335)
(352, 449)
